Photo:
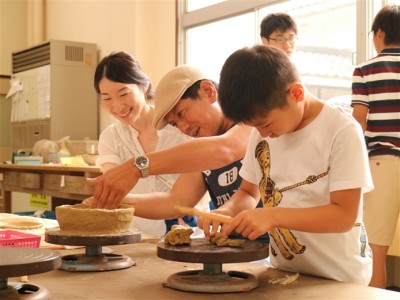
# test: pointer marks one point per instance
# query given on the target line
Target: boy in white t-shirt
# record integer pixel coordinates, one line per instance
(308, 163)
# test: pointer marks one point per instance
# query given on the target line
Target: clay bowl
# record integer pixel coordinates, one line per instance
(80, 219)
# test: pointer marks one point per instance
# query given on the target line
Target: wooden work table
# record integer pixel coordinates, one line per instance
(144, 281)
(51, 180)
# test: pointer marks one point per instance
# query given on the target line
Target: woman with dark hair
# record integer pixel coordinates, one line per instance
(126, 93)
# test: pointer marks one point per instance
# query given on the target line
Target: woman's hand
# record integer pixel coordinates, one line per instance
(87, 201)
(111, 187)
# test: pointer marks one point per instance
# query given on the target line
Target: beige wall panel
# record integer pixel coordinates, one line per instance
(13, 31)
(144, 28)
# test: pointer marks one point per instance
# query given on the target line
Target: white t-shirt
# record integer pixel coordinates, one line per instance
(118, 143)
(335, 140)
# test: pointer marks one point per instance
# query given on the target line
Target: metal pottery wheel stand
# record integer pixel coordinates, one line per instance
(93, 259)
(15, 262)
(212, 279)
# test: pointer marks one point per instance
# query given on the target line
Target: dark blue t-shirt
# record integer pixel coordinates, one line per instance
(222, 183)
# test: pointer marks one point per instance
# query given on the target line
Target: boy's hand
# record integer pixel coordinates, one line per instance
(209, 227)
(249, 223)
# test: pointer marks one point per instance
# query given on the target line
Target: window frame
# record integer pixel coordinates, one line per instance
(365, 11)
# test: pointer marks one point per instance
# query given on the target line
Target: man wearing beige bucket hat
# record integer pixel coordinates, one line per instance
(185, 98)
(188, 100)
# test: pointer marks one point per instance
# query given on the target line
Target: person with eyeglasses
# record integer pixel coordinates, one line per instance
(279, 30)
(376, 102)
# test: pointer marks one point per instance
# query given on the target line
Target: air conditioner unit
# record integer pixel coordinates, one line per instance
(57, 97)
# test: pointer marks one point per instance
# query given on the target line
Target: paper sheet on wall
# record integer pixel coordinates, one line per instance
(16, 86)
(30, 93)
(43, 84)
(15, 93)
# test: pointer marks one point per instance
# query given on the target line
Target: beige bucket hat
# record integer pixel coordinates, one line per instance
(170, 90)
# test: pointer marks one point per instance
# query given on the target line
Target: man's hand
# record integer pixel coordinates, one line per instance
(113, 185)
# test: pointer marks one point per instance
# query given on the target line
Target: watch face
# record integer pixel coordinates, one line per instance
(142, 161)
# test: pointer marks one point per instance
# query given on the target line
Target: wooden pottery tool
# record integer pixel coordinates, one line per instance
(191, 211)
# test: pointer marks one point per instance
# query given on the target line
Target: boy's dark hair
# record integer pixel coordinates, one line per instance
(278, 21)
(388, 20)
(255, 81)
(122, 67)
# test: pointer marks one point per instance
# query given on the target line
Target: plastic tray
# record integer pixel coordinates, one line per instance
(12, 238)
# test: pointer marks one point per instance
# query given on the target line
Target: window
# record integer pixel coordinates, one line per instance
(197, 4)
(325, 47)
(209, 45)
(330, 33)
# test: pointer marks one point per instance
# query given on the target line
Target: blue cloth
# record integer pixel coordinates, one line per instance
(191, 221)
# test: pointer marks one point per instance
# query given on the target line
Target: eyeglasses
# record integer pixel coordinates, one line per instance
(282, 40)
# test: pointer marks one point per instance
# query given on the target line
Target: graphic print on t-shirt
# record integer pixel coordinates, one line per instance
(223, 182)
(270, 197)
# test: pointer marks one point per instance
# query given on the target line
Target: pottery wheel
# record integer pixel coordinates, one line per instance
(212, 279)
(93, 259)
(19, 261)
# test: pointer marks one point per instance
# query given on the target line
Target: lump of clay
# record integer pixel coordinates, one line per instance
(178, 235)
(80, 219)
(223, 241)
